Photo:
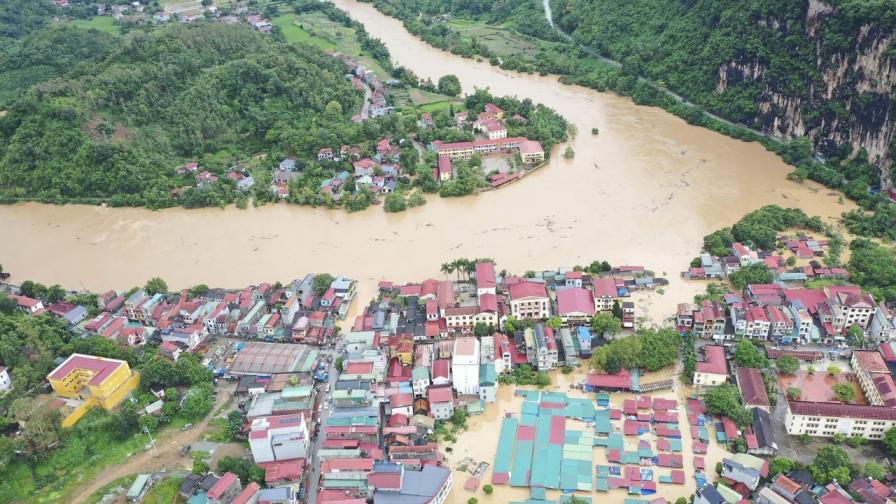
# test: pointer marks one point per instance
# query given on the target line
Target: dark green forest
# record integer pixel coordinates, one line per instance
(114, 117)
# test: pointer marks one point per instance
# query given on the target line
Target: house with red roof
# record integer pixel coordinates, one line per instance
(29, 305)
(485, 278)
(575, 305)
(751, 322)
(713, 370)
(225, 490)
(492, 128)
(605, 292)
(752, 388)
(401, 404)
(441, 372)
(441, 401)
(529, 300)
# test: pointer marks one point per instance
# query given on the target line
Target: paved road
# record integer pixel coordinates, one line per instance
(166, 454)
(323, 398)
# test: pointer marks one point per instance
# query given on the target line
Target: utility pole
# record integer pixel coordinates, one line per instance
(152, 441)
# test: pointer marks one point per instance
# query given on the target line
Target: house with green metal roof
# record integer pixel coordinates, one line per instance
(488, 382)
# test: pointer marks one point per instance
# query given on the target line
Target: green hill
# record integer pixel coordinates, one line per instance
(105, 117)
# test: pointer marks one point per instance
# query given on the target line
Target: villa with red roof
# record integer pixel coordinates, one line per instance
(95, 380)
(492, 128)
(714, 369)
(575, 305)
(605, 293)
(529, 300)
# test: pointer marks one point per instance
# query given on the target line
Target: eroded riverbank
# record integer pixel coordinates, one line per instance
(644, 191)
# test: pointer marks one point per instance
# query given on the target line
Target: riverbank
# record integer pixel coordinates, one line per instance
(645, 190)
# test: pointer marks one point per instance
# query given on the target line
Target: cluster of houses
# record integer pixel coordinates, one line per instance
(789, 315)
(807, 248)
(237, 173)
(361, 77)
(224, 489)
(490, 126)
(746, 480)
(135, 12)
(182, 322)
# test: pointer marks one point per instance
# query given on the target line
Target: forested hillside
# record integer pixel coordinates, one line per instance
(114, 117)
(826, 69)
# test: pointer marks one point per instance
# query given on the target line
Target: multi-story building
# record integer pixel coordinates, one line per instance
(822, 419)
(394, 483)
(485, 278)
(605, 292)
(546, 353)
(529, 300)
(465, 365)
(751, 322)
(874, 377)
(714, 369)
(488, 382)
(804, 329)
(283, 437)
(575, 305)
(709, 321)
(95, 380)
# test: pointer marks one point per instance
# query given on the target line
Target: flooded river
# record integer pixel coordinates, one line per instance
(644, 191)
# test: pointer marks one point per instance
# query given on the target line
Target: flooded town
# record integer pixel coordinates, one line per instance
(649, 313)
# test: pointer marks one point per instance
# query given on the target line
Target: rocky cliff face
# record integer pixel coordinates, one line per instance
(852, 100)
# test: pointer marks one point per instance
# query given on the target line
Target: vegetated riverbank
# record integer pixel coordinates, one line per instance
(145, 147)
(541, 47)
(643, 191)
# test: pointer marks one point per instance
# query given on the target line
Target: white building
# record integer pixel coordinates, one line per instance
(5, 380)
(283, 437)
(465, 365)
(529, 300)
(714, 369)
(827, 419)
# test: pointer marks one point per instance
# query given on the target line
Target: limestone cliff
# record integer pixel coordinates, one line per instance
(849, 99)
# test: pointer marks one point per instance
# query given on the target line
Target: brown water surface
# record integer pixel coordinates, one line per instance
(644, 191)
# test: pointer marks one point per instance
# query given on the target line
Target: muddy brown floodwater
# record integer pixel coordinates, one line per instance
(644, 191)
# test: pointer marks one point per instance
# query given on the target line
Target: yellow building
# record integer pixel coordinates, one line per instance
(95, 380)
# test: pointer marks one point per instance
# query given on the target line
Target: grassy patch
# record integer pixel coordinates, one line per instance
(499, 39)
(298, 35)
(216, 432)
(164, 492)
(105, 24)
(87, 449)
(316, 29)
(123, 482)
(824, 282)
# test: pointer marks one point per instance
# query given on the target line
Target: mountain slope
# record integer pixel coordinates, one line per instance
(788, 67)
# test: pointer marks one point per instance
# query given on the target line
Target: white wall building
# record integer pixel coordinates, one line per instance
(465, 365)
(283, 437)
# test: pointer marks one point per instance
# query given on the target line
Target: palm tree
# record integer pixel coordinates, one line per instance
(447, 268)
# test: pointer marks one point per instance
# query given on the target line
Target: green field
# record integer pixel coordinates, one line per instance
(499, 39)
(102, 23)
(316, 29)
